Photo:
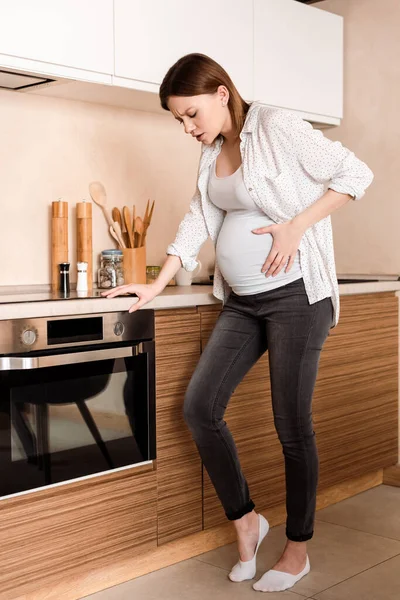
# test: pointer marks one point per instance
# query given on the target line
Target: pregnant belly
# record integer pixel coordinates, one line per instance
(241, 253)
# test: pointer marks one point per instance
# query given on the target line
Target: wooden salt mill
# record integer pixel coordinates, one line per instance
(59, 240)
(84, 247)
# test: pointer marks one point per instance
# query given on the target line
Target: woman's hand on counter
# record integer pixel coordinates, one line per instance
(145, 293)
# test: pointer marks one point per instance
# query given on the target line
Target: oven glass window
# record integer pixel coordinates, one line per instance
(59, 423)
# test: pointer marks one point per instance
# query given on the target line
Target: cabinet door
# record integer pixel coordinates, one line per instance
(298, 57)
(179, 471)
(72, 33)
(150, 36)
(66, 533)
(356, 395)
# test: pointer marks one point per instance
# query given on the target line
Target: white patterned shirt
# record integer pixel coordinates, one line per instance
(286, 166)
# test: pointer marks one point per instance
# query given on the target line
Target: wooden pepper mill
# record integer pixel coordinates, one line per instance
(59, 240)
(84, 247)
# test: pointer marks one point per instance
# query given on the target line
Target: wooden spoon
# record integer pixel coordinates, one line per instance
(113, 234)
(139, 228)
(128, 224)
(116, 216)
(99, 197)
(118, 231)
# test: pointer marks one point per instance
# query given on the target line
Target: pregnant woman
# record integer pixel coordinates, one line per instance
(267, 184)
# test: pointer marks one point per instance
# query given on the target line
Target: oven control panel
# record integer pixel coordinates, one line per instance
(26, 335)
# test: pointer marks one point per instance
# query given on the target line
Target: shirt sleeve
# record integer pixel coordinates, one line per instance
(191, 235)
(323, 159)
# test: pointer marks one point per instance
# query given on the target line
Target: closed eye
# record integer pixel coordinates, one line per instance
(190, 117)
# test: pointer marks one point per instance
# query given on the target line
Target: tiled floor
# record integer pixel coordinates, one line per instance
(354, 555)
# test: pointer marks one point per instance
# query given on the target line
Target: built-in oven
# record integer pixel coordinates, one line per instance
(77, 397)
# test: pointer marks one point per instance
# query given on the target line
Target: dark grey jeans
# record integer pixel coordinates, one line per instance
(283, 322)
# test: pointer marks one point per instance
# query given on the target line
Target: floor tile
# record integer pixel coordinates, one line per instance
(379, 583)
(188, 580)
(375, 511)
(336, 553)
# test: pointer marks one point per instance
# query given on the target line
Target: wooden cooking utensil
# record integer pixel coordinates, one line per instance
(113, 234)
(128, 224)
(99, 197)
(133, 222)
(147, 220)
(118, 231)
(139, 227)
(116, 216)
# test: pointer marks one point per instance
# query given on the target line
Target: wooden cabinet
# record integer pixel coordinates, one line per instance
(355, 405)
(298, 57)
(71, 33)
(150, 36)
(179, 469)
(356, 395)
(58, 535)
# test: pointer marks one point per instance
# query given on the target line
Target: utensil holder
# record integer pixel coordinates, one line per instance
(134, 264)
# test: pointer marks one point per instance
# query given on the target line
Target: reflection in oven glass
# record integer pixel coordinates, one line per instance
(68, 427)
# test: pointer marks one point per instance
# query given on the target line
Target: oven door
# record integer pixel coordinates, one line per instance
(70, 415)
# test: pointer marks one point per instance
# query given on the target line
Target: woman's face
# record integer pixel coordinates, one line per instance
(205, 116)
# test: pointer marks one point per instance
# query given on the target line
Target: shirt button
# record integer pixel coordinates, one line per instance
(250, 189)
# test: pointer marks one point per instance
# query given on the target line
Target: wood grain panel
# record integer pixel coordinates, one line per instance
(355, 405)
(391, 475)
(59, 532)
(89, 579)
(179, 470)
(356, 395)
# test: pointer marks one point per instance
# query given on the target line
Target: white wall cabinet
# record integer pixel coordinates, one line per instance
(69, 33)
(280, 52)
(150, 36)
(298, 57)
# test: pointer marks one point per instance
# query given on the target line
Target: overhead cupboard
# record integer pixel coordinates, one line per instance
(280, 52)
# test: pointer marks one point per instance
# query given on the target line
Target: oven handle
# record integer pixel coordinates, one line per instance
(17, 363)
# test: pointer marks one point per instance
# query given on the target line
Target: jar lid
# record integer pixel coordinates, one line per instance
(111, 252)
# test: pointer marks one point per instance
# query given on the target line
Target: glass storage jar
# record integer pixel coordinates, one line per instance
(152, 272)
(111, 272)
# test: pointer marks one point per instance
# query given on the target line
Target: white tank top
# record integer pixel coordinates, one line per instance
(240, 253)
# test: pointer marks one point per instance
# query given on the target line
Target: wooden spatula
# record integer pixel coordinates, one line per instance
(147, 220)
(128, 225)
(139, 228)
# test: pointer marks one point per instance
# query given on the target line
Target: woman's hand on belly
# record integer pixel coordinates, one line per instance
(286, 241)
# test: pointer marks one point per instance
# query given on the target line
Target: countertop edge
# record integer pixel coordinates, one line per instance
(171, 298)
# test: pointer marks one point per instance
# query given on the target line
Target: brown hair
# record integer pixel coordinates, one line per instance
(196, 74)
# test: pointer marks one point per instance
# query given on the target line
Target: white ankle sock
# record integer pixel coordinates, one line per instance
(277, 581)
(247, 569)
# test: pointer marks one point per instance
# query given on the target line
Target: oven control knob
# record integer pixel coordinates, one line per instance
(29, 337)
(119, 328)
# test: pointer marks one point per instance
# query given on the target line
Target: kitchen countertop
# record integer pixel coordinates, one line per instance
(171, 297)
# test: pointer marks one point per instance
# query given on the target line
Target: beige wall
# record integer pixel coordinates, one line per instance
(51, 148)
(367, 233)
